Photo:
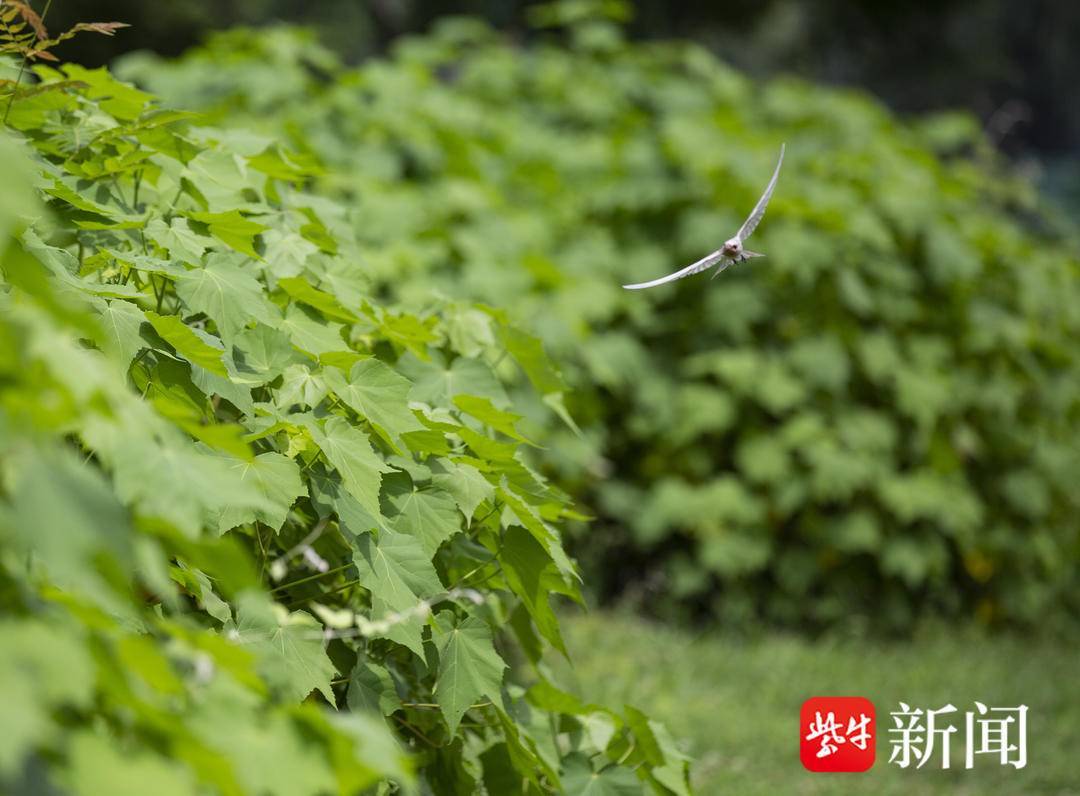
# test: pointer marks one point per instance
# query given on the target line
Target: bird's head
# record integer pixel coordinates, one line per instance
(732, 247)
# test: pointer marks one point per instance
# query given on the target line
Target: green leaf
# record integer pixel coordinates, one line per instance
(486, 412)
(226, 437)
(187, 343)
(290, 648)
(467, 484)
(276, 478)
(328, 495)
(121, 321)
(469, 667)
(299, 289)
(436, 384)
(42, 667)
(529, 353)
(404, 629)
(525, 563)
(655, 744)
(579, 779)
(230, 295)
(300, 385)
(286, 252)
(371, 688)
(266, 749)
(395, 568)
(548, 538)
(115, 97)
(349, 451)
(310, 333)
(96, 765)
(259, 355)
(283, 165)
(178, 238)
(171, 480)
(232, 229)
(379, 394)
(367, 754)
(429, 515)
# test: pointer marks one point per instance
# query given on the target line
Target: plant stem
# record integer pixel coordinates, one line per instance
(310, 578)
(415, 730)
(22, 67)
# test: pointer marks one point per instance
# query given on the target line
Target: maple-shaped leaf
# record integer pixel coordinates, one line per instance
(232, 229)
(289, 646)
(259, 355)
(348, 449)
(276, 478)
(528, 352)
(187, 344)
(42, 666)
(95, 765)
(286, 252)
(301, 290)
(179, 239)
(310, 333)
(174, 481)
(329, 495)
(371, 688)
(231, 296)
(526, 564)
(428, 514)
(581, 779)
(469, 666)
(121, 321)
(395, 568)
(121, 99)
(490, 415)
(526, 516)
(669, 764)
(379, 394)
(464, 482)
(436, 383)
(405, 629)
(300, 385)
(266, 751)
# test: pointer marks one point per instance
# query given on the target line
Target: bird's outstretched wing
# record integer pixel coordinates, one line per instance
(759, 209)
(693, 268)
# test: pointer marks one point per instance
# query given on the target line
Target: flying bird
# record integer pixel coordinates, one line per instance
(732, 251)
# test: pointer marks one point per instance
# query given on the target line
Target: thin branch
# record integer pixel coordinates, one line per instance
(22, 66)
(434, 706)
(415, 730)
(310, 578)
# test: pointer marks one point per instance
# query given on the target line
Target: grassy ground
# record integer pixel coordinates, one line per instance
(735, 701)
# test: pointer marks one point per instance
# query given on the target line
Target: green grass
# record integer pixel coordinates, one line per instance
(734, 702)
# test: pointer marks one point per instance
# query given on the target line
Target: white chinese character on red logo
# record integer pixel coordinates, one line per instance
(832, 733)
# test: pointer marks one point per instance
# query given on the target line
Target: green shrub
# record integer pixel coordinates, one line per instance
(880, 418)
(260, 532)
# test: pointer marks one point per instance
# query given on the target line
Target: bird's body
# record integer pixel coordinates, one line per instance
(733, 250)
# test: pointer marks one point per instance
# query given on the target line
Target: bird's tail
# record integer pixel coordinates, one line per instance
(747, 254)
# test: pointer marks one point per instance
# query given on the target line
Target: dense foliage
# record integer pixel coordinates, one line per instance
(261, 533)
(879, 418)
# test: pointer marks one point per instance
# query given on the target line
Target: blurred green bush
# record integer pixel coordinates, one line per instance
(878, 419)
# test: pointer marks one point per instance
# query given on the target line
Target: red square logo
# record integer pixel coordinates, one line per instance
(837, 734)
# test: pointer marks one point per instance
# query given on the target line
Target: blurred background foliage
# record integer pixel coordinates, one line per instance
(878, 421)
(1011, 62)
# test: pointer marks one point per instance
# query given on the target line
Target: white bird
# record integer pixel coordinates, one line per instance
(732, 251)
